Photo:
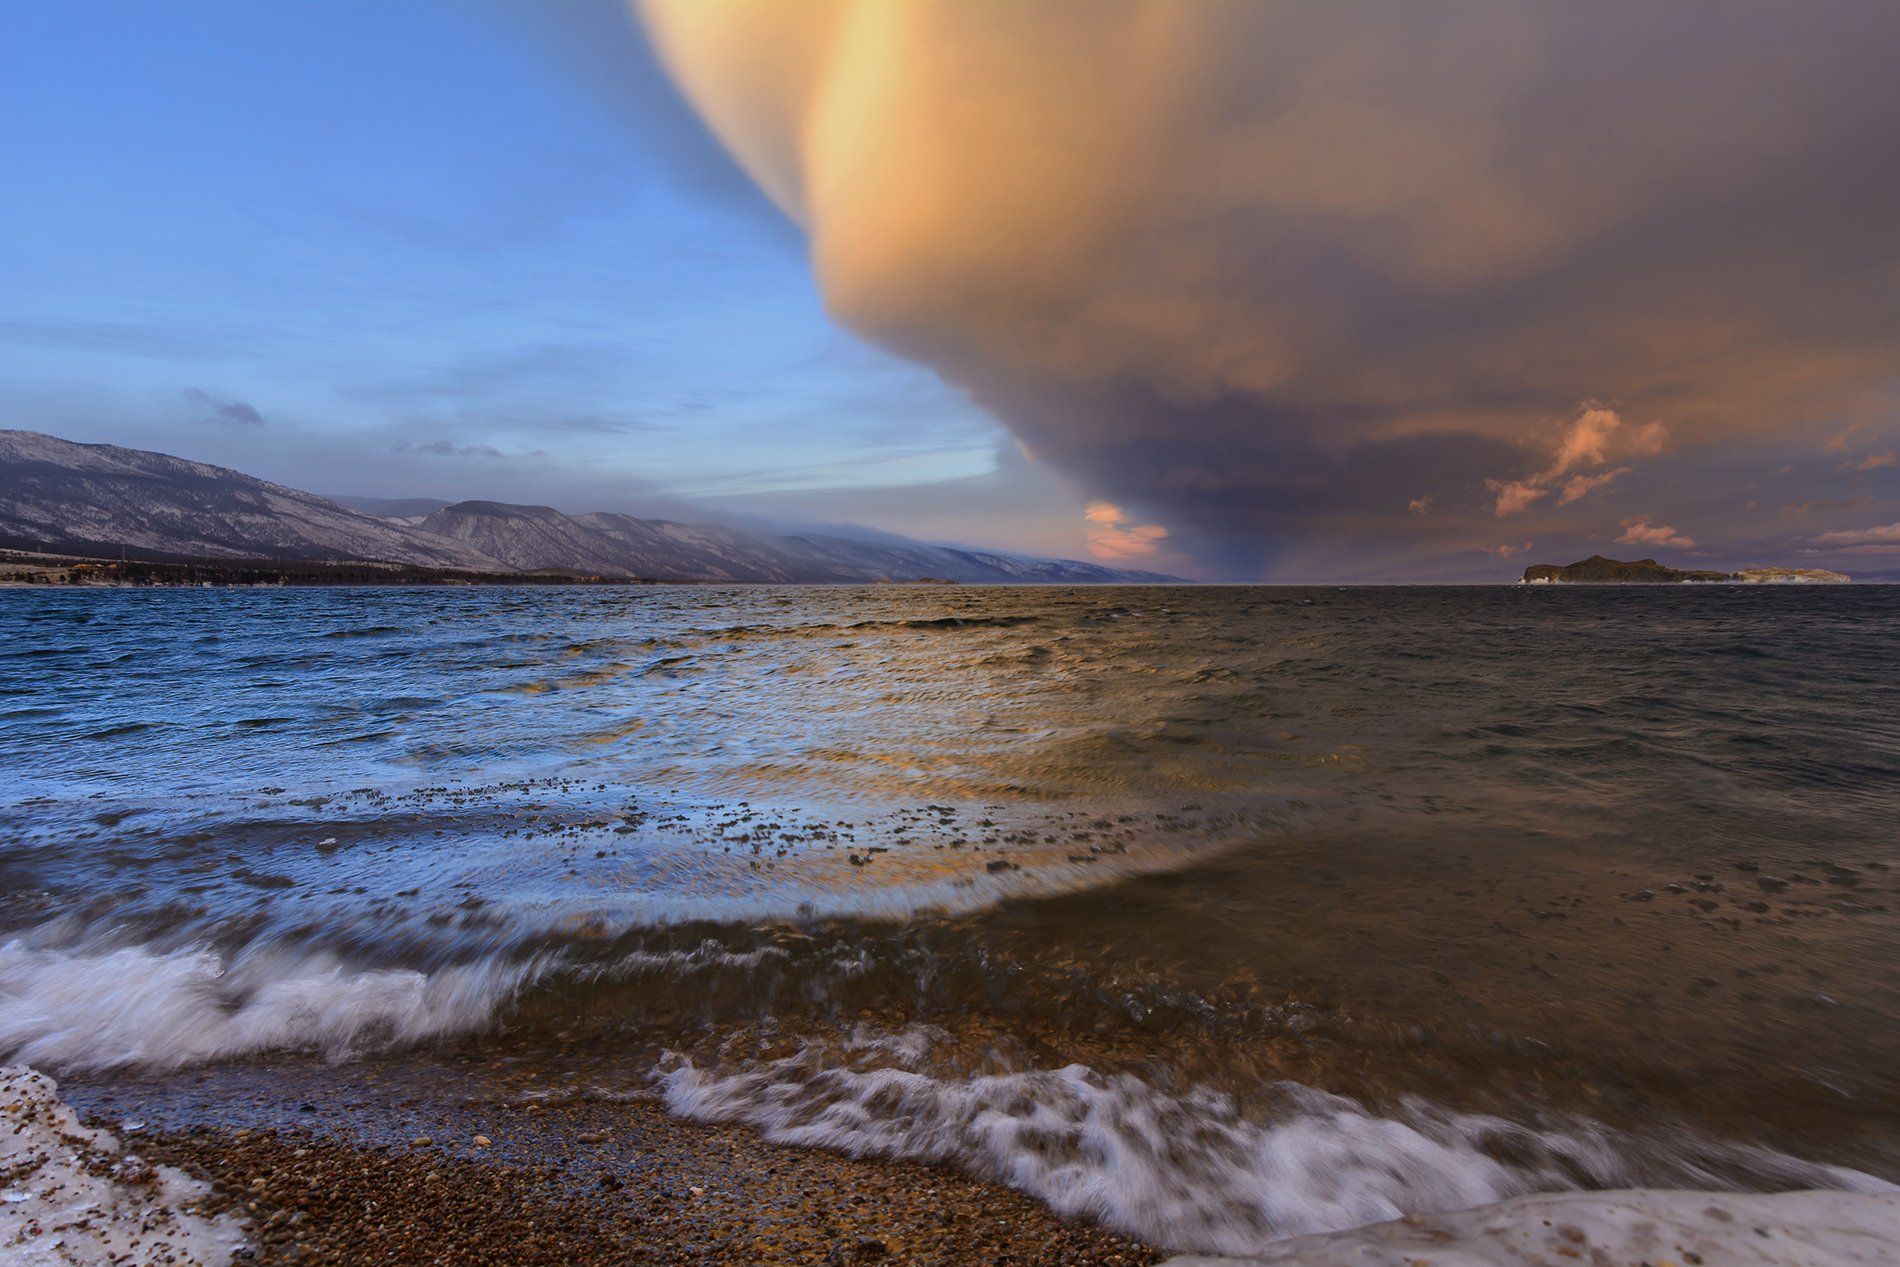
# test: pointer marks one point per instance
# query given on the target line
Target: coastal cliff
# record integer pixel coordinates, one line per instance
(1597, 570)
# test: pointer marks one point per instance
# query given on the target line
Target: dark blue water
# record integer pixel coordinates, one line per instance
(1442, 893)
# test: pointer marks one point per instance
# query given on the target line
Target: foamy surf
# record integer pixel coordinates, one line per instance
(1191, 1171)
(1815, 1229)
(73, 1195)
(88, 1010)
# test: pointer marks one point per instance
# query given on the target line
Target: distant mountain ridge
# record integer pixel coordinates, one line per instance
(403, 508)
(100, 499)
(529, 538)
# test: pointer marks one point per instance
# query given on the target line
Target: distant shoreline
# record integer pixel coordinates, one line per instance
(1598, 570)
(32, 569)
(38, 569)
(25, 569)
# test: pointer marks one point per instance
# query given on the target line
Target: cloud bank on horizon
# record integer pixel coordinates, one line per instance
(1286, 285)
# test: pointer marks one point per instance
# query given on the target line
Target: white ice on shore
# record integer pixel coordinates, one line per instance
(73, 1196)
(1613, 1229)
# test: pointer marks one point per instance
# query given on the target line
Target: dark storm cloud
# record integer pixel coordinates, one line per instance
(1233, 478)
(1272, 272)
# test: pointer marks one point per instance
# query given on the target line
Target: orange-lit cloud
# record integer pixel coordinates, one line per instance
(1516, 496)
(1837, 443)
(1115, 538)
(1886, 534)
(1255, 263)
(1578, 487)
(1589, 441)
(1641, 532)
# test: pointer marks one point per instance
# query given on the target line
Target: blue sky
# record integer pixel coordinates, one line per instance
(1492, 289)
(450, 249)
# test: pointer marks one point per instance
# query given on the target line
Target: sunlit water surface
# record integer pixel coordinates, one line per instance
(1215, 913)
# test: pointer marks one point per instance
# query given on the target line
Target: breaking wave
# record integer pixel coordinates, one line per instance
(1192, 1170)
(1190, 1167)
(133, 1005)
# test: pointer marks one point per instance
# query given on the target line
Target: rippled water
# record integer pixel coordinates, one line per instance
(1215, 913)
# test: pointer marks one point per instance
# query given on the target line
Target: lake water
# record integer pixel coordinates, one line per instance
(1214, 913)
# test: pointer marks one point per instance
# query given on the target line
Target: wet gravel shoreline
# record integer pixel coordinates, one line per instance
(325, 1178)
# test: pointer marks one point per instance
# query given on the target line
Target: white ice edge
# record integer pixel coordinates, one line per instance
(1631, 1226)
(74, 1196)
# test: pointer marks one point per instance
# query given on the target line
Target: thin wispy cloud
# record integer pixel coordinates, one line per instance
(1585, 444)
(1885, 534)
(451, 449)
(1641, 531)
(223, 411)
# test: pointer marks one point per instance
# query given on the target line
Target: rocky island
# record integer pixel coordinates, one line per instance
(1597, 570)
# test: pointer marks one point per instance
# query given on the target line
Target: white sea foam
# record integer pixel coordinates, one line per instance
(1189, 1171)
(73, 1195)
(1815, 1229)
(708, 954)
(90, 1006)
(98, 1009)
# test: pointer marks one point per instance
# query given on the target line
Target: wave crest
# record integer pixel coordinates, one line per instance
(1189, 1170)
(163, 1009)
